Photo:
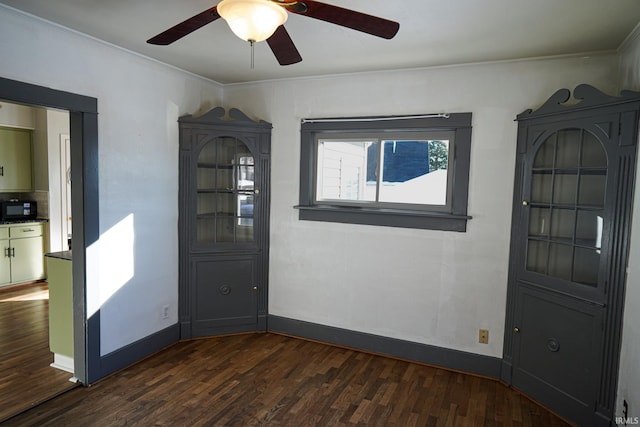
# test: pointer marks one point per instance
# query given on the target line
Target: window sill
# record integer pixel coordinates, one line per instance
(385, 217)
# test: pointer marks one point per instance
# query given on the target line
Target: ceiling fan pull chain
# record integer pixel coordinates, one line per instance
(252, 43)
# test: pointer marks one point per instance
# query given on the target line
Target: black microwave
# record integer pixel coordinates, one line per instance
(18, 210)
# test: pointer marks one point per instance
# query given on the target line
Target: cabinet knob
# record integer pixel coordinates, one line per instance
(255, 288)
(525, 203)
(256, 191)
(516, 330)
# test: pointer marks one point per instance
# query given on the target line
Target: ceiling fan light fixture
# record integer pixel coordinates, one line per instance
(252, 20)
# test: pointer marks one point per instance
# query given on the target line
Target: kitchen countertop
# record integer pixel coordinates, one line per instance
(60, 255)
(24, 221)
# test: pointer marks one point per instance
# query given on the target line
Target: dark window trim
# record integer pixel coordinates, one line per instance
(454, 220)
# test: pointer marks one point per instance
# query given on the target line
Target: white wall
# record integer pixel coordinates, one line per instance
(629, 377)
(430, 287)
(14, 115)
(132, 271)
(57, 125)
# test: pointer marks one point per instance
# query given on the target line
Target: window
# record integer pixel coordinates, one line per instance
(402, 172)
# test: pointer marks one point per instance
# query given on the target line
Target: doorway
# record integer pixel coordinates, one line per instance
(84, 152)
(26, 336)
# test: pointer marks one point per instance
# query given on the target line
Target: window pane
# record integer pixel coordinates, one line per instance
(537, 256)
(586, 265)
(564, 189)
(245, 209)
(592, 189)
(541, 187)
(245, 170)
(593, 155)
(227, 148)
(225, 204)
(244, 233)
(560, 257)
(545, 154)
(414, 172)
(589, 228)
(342, 170)
(562, 224)
(568, 148)
(225, 230)
(539, 222)
(206, 229)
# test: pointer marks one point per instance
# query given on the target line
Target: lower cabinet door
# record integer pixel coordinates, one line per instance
(27, 261)
(5, 263)
(559, 352)
(224, 297)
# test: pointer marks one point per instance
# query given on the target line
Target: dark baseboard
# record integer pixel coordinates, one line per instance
(477, 364)
(506, 371)
(138, 350)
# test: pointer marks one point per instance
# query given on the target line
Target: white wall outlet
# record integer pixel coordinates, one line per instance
(165, 312)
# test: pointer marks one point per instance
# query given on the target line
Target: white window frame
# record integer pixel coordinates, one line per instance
(377, 138)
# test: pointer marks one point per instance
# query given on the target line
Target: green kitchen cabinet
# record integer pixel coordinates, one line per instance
(5, 260)
(16, 160)
(22, 253)
(61, 309)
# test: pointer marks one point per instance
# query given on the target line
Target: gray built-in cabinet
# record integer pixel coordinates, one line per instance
(575, 171)
(224, 223)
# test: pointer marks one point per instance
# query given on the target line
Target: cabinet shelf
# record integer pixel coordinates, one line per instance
(566, 206)
(227, 166)
(224, 191)
(582, 243)
(214, 215)
(570, 171)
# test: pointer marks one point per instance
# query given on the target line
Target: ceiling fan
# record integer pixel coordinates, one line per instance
(257, 20)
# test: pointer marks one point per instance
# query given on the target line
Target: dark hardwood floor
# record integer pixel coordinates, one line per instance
(274, 380)
(26, 378)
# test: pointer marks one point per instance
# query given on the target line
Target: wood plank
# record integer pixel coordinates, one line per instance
(27, 378)
(269, 379)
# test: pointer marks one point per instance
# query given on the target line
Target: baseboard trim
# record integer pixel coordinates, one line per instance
(62, 362)
(456, 360)
(138, 350)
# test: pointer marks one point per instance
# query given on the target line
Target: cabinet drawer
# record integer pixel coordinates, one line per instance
(4, 232)
(17, 232)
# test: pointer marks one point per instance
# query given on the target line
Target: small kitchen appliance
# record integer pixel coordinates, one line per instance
(16, 210)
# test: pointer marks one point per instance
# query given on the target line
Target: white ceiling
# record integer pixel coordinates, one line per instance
(432, 33)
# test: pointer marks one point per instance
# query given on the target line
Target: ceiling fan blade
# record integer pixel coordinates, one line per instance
(347, 18)
(186, 27)
(283, 48)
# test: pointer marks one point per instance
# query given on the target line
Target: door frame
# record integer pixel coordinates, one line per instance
(83, 117)
(65, 188)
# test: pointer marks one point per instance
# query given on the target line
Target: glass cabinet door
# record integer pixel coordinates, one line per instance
(566, 207)
(225, 192)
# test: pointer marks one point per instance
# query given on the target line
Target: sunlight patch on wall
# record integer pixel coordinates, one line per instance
(116, 261)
